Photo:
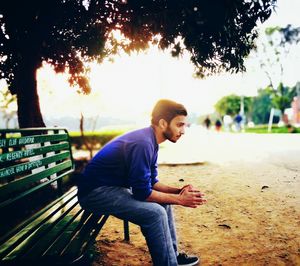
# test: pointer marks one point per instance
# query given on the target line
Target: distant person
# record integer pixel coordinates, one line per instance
(218, 125)
(238, 122)
(291, 129)
(121, 180)
(207, 122)
(227, 120)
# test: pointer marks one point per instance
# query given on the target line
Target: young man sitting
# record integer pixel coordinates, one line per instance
(121, 180)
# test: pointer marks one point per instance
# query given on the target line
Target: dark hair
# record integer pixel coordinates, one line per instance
(167, 110)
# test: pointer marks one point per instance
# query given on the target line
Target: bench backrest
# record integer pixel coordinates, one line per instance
(31, 159)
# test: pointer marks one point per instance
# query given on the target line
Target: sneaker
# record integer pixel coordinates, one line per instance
(184, 259)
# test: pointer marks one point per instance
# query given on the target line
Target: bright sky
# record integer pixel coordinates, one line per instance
(131, 85)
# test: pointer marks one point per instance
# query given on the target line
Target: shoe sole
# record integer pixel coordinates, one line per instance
(197, 262)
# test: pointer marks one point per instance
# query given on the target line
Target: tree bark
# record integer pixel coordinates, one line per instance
(29, 112)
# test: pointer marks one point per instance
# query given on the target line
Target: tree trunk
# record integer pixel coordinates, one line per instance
(29, 112)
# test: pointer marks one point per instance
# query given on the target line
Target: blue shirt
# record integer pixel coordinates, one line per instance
(127, 161)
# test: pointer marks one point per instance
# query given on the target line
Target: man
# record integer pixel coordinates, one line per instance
(121, 180)
(207, 122)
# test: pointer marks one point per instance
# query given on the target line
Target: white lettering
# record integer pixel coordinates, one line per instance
(28, 140)
(7, 172)
(12, 142)
(19, 168)
(17, 155)
(2, 142)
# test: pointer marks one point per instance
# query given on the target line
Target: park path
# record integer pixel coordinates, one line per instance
(199, 145)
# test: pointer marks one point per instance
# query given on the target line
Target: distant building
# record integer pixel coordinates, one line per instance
(296, 110)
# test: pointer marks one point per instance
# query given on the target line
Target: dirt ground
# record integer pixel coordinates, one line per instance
(252, 217)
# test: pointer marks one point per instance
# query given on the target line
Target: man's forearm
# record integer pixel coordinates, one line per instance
(163, 198)
(166, 189)
(186, 197)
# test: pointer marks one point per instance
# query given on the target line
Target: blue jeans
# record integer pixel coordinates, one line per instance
(155, 220)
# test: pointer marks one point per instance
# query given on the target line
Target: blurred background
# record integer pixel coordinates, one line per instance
(265, 98)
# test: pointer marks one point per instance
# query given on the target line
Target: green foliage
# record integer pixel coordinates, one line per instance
(271, 30)
(269, 98)
(257, 109)
(283, 96)
(262, 105)
(231, 105)
(248, 105)
(67, 33)
(7, 106)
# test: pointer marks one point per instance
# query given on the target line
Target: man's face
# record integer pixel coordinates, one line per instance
(176, 128)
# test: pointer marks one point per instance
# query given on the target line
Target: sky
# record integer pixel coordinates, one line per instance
(130, 86)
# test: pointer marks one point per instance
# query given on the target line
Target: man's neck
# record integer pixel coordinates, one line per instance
(160, 138)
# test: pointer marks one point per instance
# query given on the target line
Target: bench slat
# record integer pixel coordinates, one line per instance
(29, 234)
(85, 236)
(40, 232)
(53, 236)
(21, 141)
(57, 248)
(27, 192)
(73, 243)
(21, 168)
(61, 201)
(18, 184)
(16, 155)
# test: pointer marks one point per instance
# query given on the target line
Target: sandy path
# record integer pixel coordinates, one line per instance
(252, 216)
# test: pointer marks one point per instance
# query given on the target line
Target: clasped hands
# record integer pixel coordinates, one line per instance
(191, 197)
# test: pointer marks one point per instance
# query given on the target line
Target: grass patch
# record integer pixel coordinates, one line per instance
(263, 129)
(96, 139)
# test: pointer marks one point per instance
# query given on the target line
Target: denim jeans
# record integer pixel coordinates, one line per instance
(155, 220)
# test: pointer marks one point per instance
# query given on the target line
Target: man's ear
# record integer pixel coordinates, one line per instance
(162, 123)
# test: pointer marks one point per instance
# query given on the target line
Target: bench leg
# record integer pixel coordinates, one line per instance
(126, 231)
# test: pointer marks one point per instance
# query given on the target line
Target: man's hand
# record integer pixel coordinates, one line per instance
(190, 197)
(187, 196)
(189, 187)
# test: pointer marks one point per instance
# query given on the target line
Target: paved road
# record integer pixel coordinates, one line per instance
(200, 145)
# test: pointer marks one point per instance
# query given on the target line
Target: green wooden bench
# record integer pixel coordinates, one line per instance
(41, 220)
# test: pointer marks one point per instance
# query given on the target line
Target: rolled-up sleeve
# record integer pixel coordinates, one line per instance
(142, 173)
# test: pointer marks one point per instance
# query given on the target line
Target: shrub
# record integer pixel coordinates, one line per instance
(97, 139)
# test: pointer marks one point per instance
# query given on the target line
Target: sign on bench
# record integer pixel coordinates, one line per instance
(31, 159)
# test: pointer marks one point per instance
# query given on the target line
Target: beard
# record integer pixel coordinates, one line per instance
(169, 135)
